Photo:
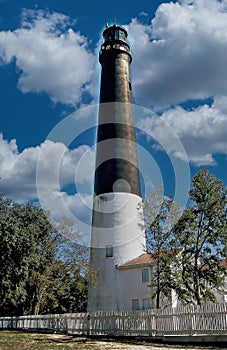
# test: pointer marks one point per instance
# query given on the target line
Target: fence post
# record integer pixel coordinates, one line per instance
(88, 324)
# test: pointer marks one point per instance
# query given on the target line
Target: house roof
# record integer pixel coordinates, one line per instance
(147, 259)
(224, 262)
(144, 259)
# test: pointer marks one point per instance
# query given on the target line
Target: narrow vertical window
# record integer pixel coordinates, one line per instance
(145, 276)
(135, 304)
(109, 251)
(146, 304)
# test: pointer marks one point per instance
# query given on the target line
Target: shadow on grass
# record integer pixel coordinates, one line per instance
(10, 338)
(154, 343)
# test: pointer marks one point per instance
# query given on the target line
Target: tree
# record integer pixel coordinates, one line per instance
(42, 269)
(160, 215)
(59, 290)
(70, 292)
(202, 234)
(26, 237)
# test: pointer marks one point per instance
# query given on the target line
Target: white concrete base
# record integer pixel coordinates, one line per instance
(116, 222)
(193, 339)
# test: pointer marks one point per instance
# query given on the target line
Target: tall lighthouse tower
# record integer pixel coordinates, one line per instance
(116, 236)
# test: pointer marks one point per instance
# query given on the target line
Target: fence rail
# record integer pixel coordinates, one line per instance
(208, 319)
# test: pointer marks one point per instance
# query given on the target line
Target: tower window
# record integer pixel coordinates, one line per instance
(109, 251)
(130, 85)
(145, 275)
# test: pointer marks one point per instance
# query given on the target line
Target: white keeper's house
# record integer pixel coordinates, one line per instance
(135, 277)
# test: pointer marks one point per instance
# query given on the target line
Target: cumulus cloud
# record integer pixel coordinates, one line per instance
(41, 173)
(182, 54)
(202, 131)
(73, 209)
(50, 56)
(49, 167)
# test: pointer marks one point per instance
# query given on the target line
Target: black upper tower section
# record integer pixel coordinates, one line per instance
(115, 57)
(115, 38)
(116, 154)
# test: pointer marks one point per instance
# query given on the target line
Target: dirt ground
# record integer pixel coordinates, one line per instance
(16, 340)
(127, 344)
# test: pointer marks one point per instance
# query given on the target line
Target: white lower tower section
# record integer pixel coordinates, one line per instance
(117, 237)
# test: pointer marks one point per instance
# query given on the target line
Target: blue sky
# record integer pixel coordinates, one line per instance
(49, 70)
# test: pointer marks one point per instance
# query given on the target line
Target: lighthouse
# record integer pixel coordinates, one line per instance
(117, 236)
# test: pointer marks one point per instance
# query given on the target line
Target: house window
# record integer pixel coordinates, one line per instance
(145, 275)
(109, 251)
(135, 304)
(146, 304)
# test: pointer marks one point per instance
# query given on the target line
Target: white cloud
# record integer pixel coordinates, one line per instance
(182, 54)
(202, 131)
(42, 172)
(50, 57)
(77, 209)
(48, 167)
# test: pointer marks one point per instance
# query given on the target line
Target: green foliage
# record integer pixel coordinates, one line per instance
(188, 246)
(34, 278)
(202, 234)
(160, 215)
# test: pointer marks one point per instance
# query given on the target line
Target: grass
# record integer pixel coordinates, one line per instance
(14, 340)
(17, 340)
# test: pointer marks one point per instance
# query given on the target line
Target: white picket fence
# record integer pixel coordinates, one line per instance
(208, 319)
